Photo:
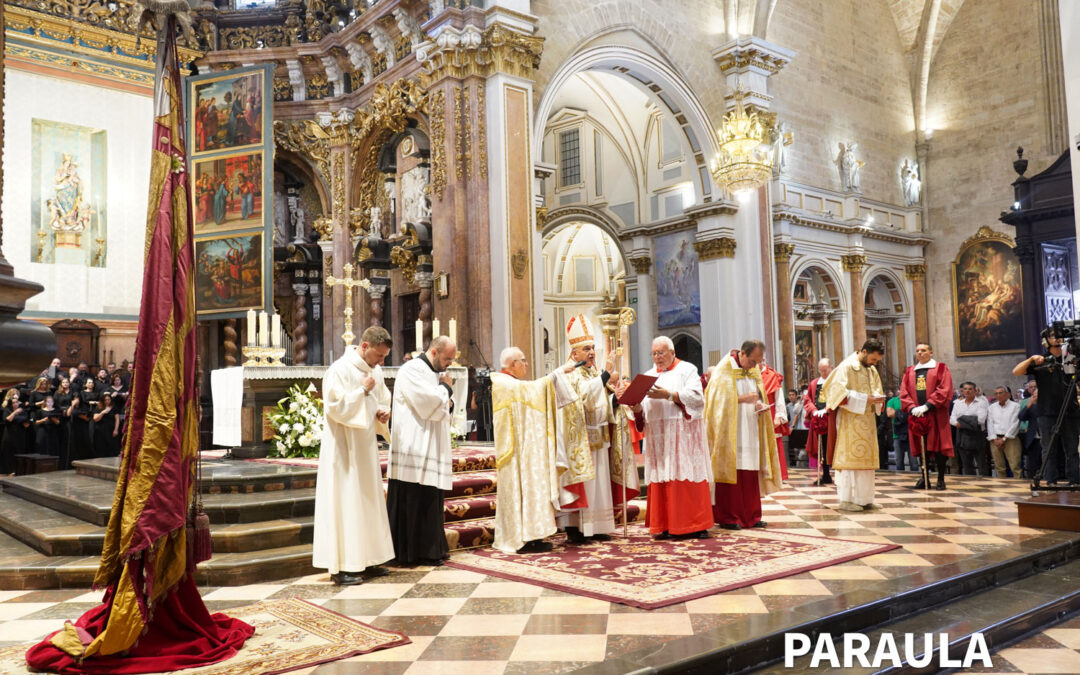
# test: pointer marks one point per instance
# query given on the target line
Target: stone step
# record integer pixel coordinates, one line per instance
(57, 534)
(90, 499)
(220, 476)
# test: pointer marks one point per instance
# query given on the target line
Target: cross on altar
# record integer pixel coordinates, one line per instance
(349, 284)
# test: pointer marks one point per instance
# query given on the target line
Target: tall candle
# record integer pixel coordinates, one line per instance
(264, 330)
(251, 335)
(419, 335)
(435, 329)
(452, 331)
(275, 331)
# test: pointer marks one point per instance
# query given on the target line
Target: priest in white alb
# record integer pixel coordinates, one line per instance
(526, 453)
(854, 398)
(420, 465)
(678, 467)
(349, 491)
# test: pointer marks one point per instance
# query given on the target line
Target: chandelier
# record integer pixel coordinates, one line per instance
(744, 161)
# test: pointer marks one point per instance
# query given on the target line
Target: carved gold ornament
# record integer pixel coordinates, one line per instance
(405, 260)
(744, 161)
(519, 261)
(710, 249)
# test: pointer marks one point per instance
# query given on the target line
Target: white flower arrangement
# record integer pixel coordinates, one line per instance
(299, 421)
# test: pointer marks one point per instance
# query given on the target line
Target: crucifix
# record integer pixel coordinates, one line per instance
(349, 284)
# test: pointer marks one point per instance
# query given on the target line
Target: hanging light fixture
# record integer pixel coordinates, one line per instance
(744, 161)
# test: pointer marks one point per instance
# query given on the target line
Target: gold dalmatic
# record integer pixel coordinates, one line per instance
(856, 434)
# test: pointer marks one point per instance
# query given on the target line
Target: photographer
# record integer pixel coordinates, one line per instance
(1053, 386)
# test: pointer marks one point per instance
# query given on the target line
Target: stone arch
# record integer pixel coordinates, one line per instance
(895, 286)
(657, 76)
(830, 277)
(303, 167)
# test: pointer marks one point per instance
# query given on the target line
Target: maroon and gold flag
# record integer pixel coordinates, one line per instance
(152, 617)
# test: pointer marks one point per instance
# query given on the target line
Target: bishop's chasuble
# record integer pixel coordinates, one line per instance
(526, 456)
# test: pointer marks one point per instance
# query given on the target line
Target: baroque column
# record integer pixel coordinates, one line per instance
(917, 275)
(481, 69)
(785, 315)
(300, 326)
(854, 265)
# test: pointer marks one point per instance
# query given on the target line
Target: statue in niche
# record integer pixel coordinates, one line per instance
(781, 136)
(282, 214)
(375, 229)
(67, 210)
(909, 180)
(414, 196)
(299, 226)
(849, 166)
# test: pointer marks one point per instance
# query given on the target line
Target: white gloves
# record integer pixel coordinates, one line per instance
(919, 410)
(821, 413)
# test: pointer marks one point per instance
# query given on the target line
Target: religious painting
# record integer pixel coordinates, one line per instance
(229, 275)
(228, 193)
(68, 210)
(987, 297)
(226, 112)
(678, 294)
(805, 369)
(801, 292)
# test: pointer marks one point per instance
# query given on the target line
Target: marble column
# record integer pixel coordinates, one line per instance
(854, 265)
(376, 293)
(917, 275)
(785, 315)
(838, 353)
(645, 327)
(720, 330)
(300, 326)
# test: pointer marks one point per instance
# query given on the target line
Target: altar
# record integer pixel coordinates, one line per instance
(244, 395)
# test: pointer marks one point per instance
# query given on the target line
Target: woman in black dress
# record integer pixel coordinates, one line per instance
(16, 431)
(47, 429)
(106, 428)
(120, 398)
(63, 402)
(80, 438)
(41, 392)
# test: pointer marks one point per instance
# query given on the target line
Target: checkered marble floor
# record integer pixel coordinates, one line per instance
(1055, 650)
(462, 621)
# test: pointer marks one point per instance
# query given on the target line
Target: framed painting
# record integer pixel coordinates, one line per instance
(226, 111)
(678, 291)
(805, 365)
(801, 292)
(229, 274)
(227, 194)
(987, 296)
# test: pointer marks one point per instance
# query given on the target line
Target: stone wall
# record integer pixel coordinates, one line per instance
(986, 96)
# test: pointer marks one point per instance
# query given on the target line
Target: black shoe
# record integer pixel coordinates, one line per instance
(601, 537)
(760, 524)
(574, 536)
(731, 526)
(437, 562)
(662, 536)
(374, 571)
(701, 534)
(536, 546)
(940, 484)
(346, 579)
(921, 485)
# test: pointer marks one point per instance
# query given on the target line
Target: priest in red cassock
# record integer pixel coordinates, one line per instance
(774, 383)
(817, 422)
(925, 393)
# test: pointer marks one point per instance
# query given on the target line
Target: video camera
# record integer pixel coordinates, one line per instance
(1069, 334)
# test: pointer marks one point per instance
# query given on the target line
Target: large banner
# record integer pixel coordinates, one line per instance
(231, 155)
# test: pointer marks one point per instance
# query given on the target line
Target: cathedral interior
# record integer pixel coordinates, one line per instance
(814, 173)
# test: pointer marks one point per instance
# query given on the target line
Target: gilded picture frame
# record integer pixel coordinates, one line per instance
(229, 274)
(988, 304)
(227, 112)
(227, 193)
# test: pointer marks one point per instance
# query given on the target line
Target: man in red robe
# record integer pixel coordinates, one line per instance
(817, 422)
(925, 393)
(774, 382)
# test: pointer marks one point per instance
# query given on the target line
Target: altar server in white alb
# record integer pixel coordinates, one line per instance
(420, 467)
(352, 533)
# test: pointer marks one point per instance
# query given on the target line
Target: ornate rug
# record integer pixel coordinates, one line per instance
(649, 574)
(289, 635)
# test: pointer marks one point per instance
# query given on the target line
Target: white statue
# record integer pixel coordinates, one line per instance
(849, 166)
(781, 137)
(909, 180)
(282, 223)
(414, 196)
(298, 223)
(375, 229)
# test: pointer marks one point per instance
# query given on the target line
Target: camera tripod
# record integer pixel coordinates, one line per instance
(1070, 395)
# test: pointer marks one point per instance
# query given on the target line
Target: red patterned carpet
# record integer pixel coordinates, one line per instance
(649, 574)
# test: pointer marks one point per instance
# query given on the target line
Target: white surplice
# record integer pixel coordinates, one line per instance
(675, 447)
(420, 438)
(351, 526)
(599, 516)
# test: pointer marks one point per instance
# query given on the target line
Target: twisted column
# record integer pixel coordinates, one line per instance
(300, 326)
(231, 350)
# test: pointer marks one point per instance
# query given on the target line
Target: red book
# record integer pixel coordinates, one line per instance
(637, 390)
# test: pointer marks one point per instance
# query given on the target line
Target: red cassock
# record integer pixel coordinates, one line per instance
(935, 430)
(773, 382)
(814, 435)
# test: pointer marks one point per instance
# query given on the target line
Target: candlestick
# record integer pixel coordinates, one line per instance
(264, 330)
(452, 331)
(434, 328)
(419, 335)
(251, 335)
(275, 331)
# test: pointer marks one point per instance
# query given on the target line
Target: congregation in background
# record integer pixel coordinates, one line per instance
(69, 414)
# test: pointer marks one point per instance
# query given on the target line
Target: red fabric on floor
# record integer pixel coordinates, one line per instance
(678, 507)
(739, 503)
(181, 634)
